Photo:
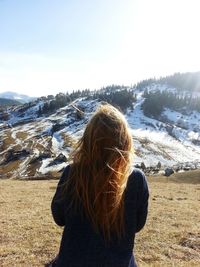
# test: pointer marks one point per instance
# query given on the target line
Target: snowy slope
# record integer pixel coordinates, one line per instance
(33, 146)
(153, 142)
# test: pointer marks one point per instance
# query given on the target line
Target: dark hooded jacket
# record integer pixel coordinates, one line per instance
(81, 246)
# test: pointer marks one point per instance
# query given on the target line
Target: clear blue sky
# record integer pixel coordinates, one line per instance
(49, 46)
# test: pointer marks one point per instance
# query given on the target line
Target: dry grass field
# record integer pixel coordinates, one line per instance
(171, 237)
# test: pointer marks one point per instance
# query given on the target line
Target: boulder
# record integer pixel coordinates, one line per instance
(159, 165)
(57, 127)
(58, 160)
(143, 167)
(168, 171)
(40, 158)
(13, 155)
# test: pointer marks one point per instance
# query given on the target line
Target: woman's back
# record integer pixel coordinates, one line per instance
(82, 246)
(100, 204)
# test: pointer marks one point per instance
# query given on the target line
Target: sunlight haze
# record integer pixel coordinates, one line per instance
(51, 46)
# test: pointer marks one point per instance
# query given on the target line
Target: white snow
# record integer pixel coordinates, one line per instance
(169, 141)
(45, 169)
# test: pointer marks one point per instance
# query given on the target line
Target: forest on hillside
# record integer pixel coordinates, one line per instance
(124, 97)
(156, 101)
(118, 96)
(184, 96)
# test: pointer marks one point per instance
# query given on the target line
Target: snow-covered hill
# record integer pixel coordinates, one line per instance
(34, 146)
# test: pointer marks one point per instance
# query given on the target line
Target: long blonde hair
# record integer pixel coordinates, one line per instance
(100, 169)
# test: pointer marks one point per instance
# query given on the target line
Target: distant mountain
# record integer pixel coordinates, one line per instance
(8, 102)
(18, 97)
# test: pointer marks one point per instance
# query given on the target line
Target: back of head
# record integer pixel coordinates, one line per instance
(100, 169)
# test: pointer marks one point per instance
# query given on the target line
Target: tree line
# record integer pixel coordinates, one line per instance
(156, 101)
(118, 96)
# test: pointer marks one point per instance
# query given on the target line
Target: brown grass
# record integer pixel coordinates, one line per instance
(171, 237)
(188, 177)
(10, 167)
(69, 141)
(22, 135)
(7, 141)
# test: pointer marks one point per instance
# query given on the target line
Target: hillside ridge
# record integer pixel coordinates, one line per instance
(35, 141)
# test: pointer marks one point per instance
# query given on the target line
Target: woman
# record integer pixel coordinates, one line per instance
(100, 202)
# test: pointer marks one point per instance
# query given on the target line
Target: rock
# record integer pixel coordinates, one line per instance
(187, 168)
(168, 171)
(59, 159)
(159, 165)
(12, 155)
(137, 166)
(156, 170)
(196, 142)
(143, 167)
(57, 127)
(40, 158)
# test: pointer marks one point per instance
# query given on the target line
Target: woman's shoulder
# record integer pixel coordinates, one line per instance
(137, 174)
(66, 169)
(65, 174)
(137, 187)
(136, 179)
